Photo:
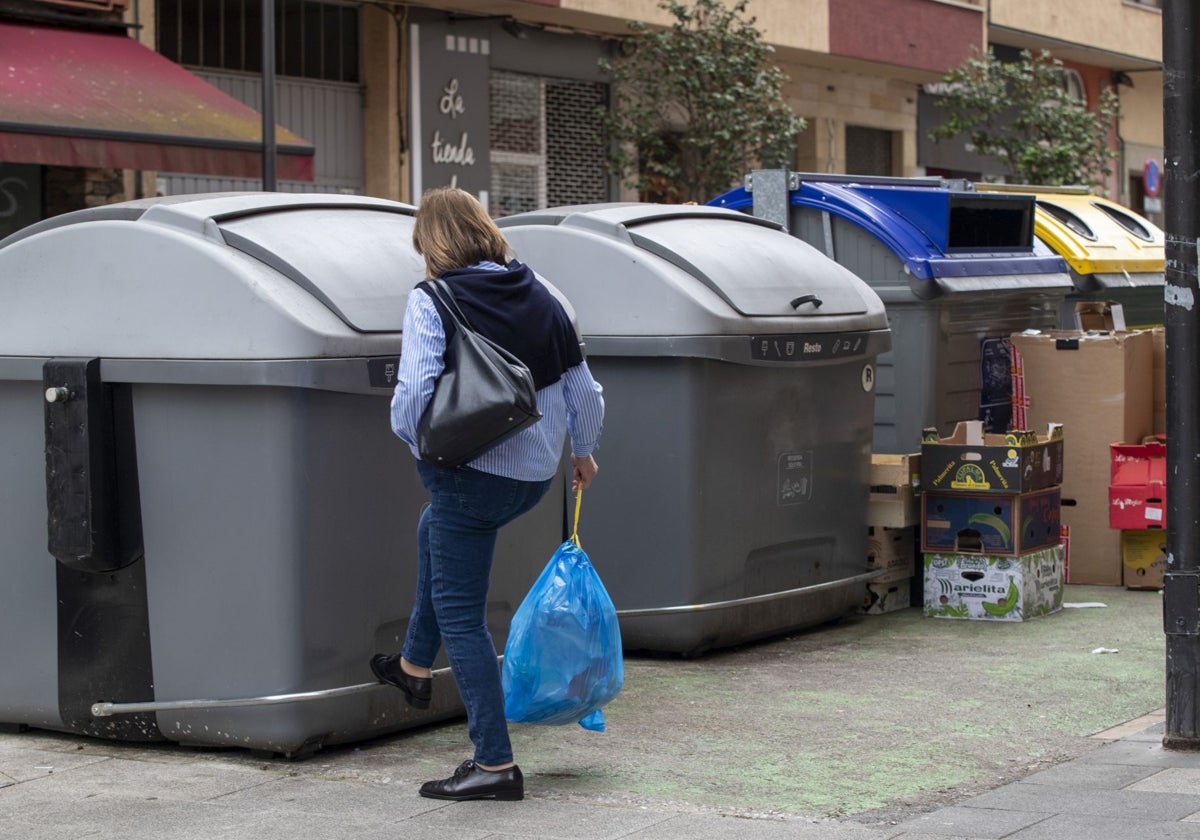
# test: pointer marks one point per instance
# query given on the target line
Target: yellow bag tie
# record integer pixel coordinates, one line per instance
(575, 532)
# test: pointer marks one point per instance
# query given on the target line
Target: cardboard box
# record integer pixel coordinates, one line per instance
(990, 588)
(1137, 507)
(1144, 554)
(1099, 316)
(893, 499)
(1093, 543)
(886, 597)
(1138, 463)
(892, 550)
(972, 461)
(1100, 388)
(967, 523)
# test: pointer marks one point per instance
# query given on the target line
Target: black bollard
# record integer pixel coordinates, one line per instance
(1181, 588)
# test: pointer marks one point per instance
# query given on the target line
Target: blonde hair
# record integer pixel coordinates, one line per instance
(454, 231)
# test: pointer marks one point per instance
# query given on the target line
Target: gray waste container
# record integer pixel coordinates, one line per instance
(959, 272)
(203, 500)
(738, 368)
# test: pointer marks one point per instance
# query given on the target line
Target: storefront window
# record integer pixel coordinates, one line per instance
(312, 40)
(546, 147)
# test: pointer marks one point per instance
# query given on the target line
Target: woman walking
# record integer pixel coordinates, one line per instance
(456, 536)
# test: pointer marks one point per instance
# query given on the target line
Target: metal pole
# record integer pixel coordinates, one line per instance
(1181, 589)
(268, 95)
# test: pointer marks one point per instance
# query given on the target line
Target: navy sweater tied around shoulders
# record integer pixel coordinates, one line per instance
(516, 311)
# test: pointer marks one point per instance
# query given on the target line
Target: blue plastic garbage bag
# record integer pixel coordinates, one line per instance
(563, 661)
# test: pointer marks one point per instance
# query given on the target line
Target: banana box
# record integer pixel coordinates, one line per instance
(973, 461)
(969, 523)
(992, 588)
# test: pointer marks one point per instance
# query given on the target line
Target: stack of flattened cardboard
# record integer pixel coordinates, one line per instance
(891, 532)
(1100, 386)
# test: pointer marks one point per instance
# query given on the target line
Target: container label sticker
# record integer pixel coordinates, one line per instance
(795, 477)
(381, 373)
(795, 347)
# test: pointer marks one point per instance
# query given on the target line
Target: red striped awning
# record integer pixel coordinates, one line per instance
(77, 98)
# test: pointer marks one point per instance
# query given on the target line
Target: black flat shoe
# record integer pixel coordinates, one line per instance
(417, 690)
(473, 782)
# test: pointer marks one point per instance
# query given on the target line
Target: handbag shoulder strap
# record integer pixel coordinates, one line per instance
(441, 290)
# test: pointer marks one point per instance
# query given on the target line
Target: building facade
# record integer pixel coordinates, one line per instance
(501, 97)
(1113, 43)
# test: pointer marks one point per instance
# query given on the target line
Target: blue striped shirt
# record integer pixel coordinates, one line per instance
(574, 404)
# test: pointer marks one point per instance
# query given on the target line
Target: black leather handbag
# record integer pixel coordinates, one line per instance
(484, 396)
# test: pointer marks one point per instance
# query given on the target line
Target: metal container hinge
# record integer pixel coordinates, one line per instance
(771, 190)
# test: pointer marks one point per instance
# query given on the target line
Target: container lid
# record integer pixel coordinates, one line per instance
(745, 261)
(349, 260)
(212, 276)
(1101, 238)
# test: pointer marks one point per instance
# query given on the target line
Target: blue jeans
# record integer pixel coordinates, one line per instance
(455, 542)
